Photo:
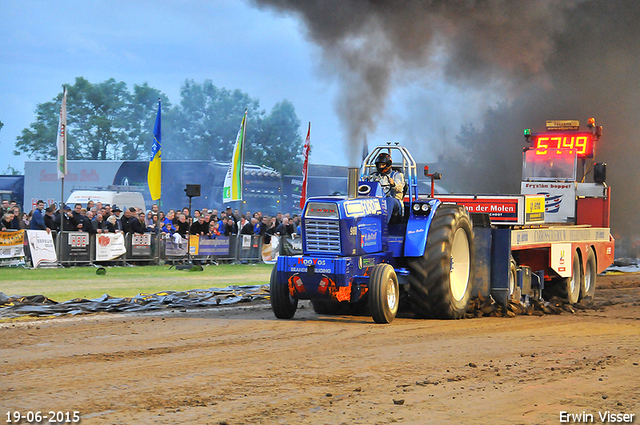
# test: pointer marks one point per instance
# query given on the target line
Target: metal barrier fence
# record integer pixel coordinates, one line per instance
(81, 248)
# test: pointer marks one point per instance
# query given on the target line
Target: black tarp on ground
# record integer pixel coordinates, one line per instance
(39, 305)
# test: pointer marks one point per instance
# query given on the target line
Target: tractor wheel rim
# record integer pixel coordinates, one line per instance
(512, 283)
(587, 277)
(574, 275)
(392, 295)
(460, 265)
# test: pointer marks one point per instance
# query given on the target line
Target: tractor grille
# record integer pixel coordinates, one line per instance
(323, 235)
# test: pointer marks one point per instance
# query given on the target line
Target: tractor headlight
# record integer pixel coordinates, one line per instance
(425, 207)
(416, 207)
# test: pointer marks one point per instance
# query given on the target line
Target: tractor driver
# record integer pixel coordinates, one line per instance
(392, 183)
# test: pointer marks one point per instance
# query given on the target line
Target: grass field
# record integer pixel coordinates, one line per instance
(83, 282)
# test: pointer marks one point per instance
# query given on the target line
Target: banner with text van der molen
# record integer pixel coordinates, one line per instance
(41, 248)
(11, 248)
(110, 246)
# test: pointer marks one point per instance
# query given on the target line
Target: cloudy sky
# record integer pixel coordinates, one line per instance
(269, 55)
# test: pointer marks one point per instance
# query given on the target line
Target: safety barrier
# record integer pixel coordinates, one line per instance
(81, 248)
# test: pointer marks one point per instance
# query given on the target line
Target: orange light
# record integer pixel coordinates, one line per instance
(591, 122)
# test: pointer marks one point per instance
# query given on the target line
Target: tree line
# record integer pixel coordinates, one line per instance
(108, 121)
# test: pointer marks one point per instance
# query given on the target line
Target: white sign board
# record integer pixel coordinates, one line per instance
(109, 246)
(41, 247)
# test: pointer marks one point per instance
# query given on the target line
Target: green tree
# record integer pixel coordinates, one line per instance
(104, 121)
(277, 142)
(205, 125)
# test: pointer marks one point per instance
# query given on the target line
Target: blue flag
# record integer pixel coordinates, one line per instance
(154, 175)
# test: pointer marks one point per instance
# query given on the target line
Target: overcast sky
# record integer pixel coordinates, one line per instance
(45, 44)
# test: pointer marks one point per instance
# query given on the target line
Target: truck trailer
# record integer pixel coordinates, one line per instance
(444, 250)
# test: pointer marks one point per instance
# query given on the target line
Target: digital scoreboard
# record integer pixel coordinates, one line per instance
(543, 144)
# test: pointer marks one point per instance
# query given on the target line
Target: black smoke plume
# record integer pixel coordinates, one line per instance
(553, 59)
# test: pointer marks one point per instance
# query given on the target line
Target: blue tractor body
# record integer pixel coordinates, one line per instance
(348, 243)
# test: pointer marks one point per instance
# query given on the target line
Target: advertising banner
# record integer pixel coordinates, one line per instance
(11, 248)
(42, 249)
(291, 246)
(110, 246)
(141, 244)
(217, 247)
(270, 251)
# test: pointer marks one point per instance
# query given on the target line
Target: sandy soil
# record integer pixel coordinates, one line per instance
(241, 365)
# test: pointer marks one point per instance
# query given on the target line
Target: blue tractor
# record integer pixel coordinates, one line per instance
(358, 256)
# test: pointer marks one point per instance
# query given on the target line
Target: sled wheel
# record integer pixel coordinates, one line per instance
(514, 290)
(283, 305)
(384, 293)
(569, 287)
(589, 282)
(441, 280)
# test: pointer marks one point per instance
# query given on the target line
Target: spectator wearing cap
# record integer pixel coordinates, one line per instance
(37, 221)
(68, 223)
(117, 213)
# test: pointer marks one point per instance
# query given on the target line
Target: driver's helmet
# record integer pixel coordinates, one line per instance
(383, 163)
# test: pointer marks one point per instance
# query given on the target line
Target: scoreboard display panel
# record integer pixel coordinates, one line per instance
(581, 142)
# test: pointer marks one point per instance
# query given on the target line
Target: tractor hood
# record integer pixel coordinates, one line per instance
(338, 226)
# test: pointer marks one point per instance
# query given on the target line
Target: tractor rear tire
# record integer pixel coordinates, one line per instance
(384, 293)
(441, 280)
(284, 306)
(589, 282)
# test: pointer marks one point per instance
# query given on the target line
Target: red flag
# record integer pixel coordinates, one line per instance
(305, 167)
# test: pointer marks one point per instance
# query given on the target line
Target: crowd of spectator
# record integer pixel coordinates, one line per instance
(178, 224)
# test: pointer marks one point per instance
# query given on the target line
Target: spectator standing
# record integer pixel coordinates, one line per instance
(117, 213)
(128, 216)
(213, 230)
(50, 219)
(183, 225)
(111, 224)
(5, 207)
(7, 222)
(137, 224)
(199, 227)
(149, 218)
(245, 227)
(37, 221)
(99, 224)
(69, 224)
(285, 228)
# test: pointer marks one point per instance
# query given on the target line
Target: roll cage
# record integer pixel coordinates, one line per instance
(407, 166)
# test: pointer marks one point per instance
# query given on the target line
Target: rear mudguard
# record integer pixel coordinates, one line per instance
(418, 230)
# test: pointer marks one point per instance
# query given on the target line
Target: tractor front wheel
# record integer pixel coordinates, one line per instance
(284, 306)
(384, 293)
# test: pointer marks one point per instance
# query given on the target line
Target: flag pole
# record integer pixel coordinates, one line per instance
(61, 143)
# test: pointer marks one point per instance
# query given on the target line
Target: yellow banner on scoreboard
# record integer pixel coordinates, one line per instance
(534, 208)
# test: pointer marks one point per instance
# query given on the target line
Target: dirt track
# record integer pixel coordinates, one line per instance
(241, 365)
